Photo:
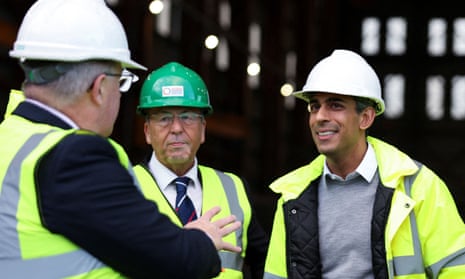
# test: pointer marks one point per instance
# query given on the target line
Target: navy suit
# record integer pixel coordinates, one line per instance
(86, 195)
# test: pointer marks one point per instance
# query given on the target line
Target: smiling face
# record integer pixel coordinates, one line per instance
(175, 143)
(338, 130)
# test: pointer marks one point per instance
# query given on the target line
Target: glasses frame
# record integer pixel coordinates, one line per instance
(126, 79)
(166, 119)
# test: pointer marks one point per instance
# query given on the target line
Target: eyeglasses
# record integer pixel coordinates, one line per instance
(165, 119)
(126, 79)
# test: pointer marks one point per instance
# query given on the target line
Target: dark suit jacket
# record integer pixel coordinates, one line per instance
(86, 195)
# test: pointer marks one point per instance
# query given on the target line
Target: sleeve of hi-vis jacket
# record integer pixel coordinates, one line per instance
(440, 227)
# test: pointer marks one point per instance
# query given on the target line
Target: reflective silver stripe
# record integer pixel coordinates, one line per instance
(272, 276)
(11, 263)
(405, 265)
(57, 266)
(9, 198)
(458, 258)
(232, 260)
(134, 177)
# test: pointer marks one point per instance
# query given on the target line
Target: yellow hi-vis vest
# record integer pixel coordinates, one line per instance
(424, 235)
(27, 248)
(218, 188)
(15, 98)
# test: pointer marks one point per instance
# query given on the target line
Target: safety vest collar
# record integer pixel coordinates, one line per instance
(392, 169)
(294, 183)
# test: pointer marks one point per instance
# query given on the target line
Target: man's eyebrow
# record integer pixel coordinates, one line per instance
(330, 99)
(335, 99)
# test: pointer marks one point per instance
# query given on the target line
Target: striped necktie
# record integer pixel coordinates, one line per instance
(184, 207)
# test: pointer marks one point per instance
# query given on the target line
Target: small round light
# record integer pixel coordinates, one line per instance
(156, 7)
(253, 69)
(211, 41)
(287, 89)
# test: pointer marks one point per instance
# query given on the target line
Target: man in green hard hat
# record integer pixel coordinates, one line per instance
(174, 102)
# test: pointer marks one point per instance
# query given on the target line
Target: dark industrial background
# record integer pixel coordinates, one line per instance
(254, 131)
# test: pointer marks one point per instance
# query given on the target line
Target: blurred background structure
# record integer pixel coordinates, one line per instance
(252, 53)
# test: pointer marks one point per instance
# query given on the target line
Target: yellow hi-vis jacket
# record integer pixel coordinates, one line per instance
(218, 188)
(27, 248)
(424, 235)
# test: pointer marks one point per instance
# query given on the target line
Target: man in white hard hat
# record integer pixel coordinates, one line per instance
(362, 209)
(69, 204)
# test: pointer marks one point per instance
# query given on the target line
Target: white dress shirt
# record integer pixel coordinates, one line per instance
(165, 177)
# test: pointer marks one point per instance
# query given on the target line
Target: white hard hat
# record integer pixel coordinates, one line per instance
(72, 31)
(347, 73)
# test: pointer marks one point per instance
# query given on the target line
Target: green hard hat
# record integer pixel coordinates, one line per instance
(174, 85)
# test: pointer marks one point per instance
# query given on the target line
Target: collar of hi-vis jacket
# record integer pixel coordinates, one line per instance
(393, 165)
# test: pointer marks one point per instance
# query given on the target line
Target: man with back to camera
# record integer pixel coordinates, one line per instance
(69, 204)
(362, 209)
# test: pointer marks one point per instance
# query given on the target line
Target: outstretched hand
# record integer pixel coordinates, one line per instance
(216, 230)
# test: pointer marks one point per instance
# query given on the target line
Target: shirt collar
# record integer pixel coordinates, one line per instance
(55, 112)
(164, 176)
(367, 167)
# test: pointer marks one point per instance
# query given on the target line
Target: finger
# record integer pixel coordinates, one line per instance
(229, 247)
(209, 214)
(224, 221)
(230, 228)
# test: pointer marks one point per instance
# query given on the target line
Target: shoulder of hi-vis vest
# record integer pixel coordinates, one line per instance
(27, 248)
(218, 188)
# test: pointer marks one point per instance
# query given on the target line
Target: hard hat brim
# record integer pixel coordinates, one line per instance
(305, 95)
(66, 54)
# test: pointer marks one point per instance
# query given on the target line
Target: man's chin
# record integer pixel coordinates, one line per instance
(178, 159)
(325, 150)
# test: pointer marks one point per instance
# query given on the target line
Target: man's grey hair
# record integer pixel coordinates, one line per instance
(76, 79)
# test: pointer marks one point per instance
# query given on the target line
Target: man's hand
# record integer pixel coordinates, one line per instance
(218, 229)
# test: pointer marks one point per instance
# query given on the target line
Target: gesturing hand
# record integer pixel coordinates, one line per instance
(216, 230)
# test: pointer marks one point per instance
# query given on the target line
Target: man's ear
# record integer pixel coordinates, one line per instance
(204, 128)
(95, 90)
(147, 133)
(367, 117)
